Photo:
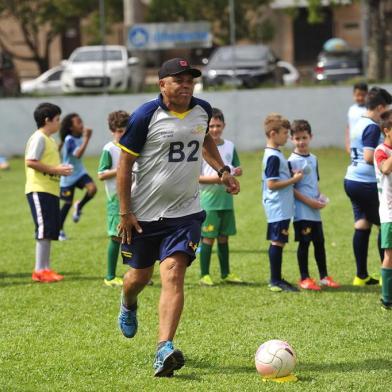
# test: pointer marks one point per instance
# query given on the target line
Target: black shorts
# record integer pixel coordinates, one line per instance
(160, 239)
(67, 192)
(306, 231)
(278, 231)
(45, 209)
(364, 200)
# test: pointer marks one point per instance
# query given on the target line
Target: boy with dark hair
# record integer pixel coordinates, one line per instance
(107, 172)
(356, 110)
(278, 196)
(308, 202)
(360, 181)
(43, 171)
(218, 204)
(383, 167)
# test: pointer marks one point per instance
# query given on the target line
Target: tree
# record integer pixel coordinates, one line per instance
(41, 21)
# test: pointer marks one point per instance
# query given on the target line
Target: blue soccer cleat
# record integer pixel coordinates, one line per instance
(168, 359)
(127, 321)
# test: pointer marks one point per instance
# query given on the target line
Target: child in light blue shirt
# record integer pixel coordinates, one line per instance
(308, 202)
(278, 198)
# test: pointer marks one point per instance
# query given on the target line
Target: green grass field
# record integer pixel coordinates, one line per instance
(64, 336)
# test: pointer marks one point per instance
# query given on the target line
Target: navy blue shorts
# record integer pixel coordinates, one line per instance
(160, 239)
(364, 199)
(45, 209)
(306, 231)
(67, 192)
(278, 231)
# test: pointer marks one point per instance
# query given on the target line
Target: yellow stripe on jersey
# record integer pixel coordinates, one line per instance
(135, 154)
(180, 115)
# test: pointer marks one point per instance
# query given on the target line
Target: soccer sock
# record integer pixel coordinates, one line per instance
(63, 213)
(275, 258)
(223, 255)
(113, 249)
(86, 199)
(205, 259)
(302, 257)
(380, 250)
(42, 254)
(386, 290)
(321, 258)
(361, 246)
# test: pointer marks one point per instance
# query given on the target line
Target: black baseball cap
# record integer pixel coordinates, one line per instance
(177, 66)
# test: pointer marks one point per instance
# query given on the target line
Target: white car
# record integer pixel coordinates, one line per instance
(97, 69)
(48, 83)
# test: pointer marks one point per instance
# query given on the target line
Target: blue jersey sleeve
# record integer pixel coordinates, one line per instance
(371, 136)
(271, 170)
(70, 146)
(135, 135)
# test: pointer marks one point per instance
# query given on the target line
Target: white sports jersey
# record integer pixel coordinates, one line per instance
(109, 160)
(168, 147)
(354, 114)
(384, 183)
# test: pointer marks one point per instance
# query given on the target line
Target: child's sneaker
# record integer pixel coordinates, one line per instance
(52, 276)
(206, 281)
(282, 285)
(309, 284)
(46, 276)
(127, 321)
(232, 278)
(115, 282)
(77, 213)
(62, 236)
(167, 359)
(365, 282)
(329, 282)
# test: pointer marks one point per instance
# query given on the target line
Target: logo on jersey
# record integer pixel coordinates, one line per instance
(200, 129)
(66, 193)
(193, 245)
(306, 231)
(208, 228)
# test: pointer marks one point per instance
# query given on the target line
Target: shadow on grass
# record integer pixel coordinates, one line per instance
(370, 364)
(70, 277)
(219, 368)
(356, 289)
(216, 286)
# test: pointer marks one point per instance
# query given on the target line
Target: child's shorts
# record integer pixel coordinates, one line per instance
(67, 192)
(386, 235)
(364, 199)
(113, 219)
(306, 231)
(45, 209)
(278, 231)
(218, 222)
(160, 239)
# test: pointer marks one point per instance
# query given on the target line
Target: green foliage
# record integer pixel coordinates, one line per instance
(64, 336)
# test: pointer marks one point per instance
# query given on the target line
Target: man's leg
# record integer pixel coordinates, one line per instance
(171, 304)
(134, 282)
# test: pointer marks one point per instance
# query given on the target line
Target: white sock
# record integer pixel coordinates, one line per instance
(42, 254)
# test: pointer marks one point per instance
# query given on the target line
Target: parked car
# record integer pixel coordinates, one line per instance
(338, 65)
(9, 78)
(246, 65)
(47, 83)
(97, 68)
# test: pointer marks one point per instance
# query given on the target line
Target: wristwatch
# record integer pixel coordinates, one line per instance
(224, 169)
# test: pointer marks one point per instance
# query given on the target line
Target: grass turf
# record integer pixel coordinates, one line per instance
(64, 336)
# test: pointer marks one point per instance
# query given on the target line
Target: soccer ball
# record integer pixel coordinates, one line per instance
(275, 359)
